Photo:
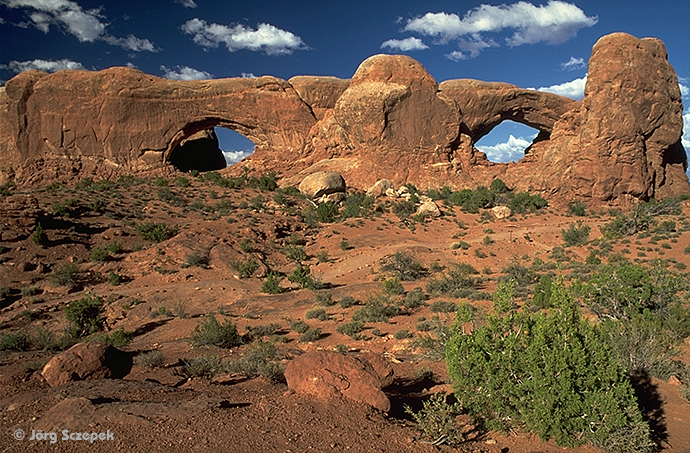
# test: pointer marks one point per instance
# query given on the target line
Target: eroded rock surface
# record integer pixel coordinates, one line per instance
(392, 120)
(326, 374)
(82, 361)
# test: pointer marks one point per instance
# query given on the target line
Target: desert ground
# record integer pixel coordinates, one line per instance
(219, 248)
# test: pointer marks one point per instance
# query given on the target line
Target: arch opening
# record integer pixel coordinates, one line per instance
(509, 141)
(233, 145)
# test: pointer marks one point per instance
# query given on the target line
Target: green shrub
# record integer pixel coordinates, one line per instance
(84, 316)
(401, 334)
(260, 359)
(119, 338)
(414, 299)
(210, 332)
(325, 299)
(156, 231)
(344, 245)
(441, 306)
(576, 235)
(114, 278)
(393, 287)
(114, 247)
(39, 237)
(437, 419)
(311, 335)
(181, 181)
(498, 186)
(542, 292)
(151, 359)
(99, 255)
(403, 266)
(15, 341)
(577, 208)
(272, 283)
(357, 205)
(266, 182)
(375, 310)
(351, 329)
(303, 277)
(404, 209)
(196, 259)
(317, 313)
(456, 282)
(204, 366)
(299, 326)
(347, 302)
(327, 212)
(258, 332)
(295, 253)
(549, 373)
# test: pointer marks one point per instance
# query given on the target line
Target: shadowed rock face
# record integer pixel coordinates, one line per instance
(391, 120)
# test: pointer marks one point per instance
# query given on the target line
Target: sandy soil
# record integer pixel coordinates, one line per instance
(162, 299)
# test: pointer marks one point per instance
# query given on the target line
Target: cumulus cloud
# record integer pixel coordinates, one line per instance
(404, 45)
(574, 64)
(266, 38)
(513, 149)
(85, 25)
(685, 140)
(184, 73)
(232, 157)
(186, 3)
(684, 89)
(553, 23)
(575, 89)
(41, 65)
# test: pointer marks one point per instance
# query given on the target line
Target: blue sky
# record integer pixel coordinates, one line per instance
(533, 44)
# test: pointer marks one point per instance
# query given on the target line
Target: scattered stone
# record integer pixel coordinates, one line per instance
(322, 183)
(501, 212)
(379, 189)
(429, 209)
(82, 361)
(326, 374)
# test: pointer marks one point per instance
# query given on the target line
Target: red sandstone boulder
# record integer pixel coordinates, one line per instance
(87, 361)
(326, 374)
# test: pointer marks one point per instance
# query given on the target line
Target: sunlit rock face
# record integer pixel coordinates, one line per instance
(392, 120)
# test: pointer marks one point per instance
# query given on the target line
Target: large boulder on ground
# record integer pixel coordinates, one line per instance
(379, 189)
(87, 361)
(502, 212)
(326, 374)
(322, 183)
(429, 209)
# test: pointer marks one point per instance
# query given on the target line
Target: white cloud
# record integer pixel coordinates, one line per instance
(232, 157)
(685, 140)
(513, 149)
(85, 25)
(185, 73)
(575, 89)
(404, 45)
(186, 3)
(574, 64)
(248, 75)
(554, 23)
(41, 65)
(684, 89)
(266, 38)
(473, 46)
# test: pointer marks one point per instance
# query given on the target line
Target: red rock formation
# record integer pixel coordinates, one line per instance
(391, 120)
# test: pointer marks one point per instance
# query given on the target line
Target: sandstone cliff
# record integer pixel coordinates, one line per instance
(391, 120)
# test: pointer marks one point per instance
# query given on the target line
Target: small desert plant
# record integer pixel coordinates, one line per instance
(441, 306)
(119, 338)
(295, 253)
(393, 287)
(114, 278)
(260, 359)
(311, 335)
(577, 208)
(403, 266)
(327, 212)
(65, 275)
(151, 359)
(205, 366)
(15, 341)
(437, 419)
(114, 247)
(299, 326)
(210, 332)
(376, 309)
(351, 329)
(325, 299)
(401, 334)
(84, 316)
(347, 302)
(99, 255)
(39, 237)
(414, 299)
(272, 283)
(196, 259)
(303, 277)
(404, 209)
(344, 245)
(576, 235)
(245, 269)
(316, 313)
(156, 231)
